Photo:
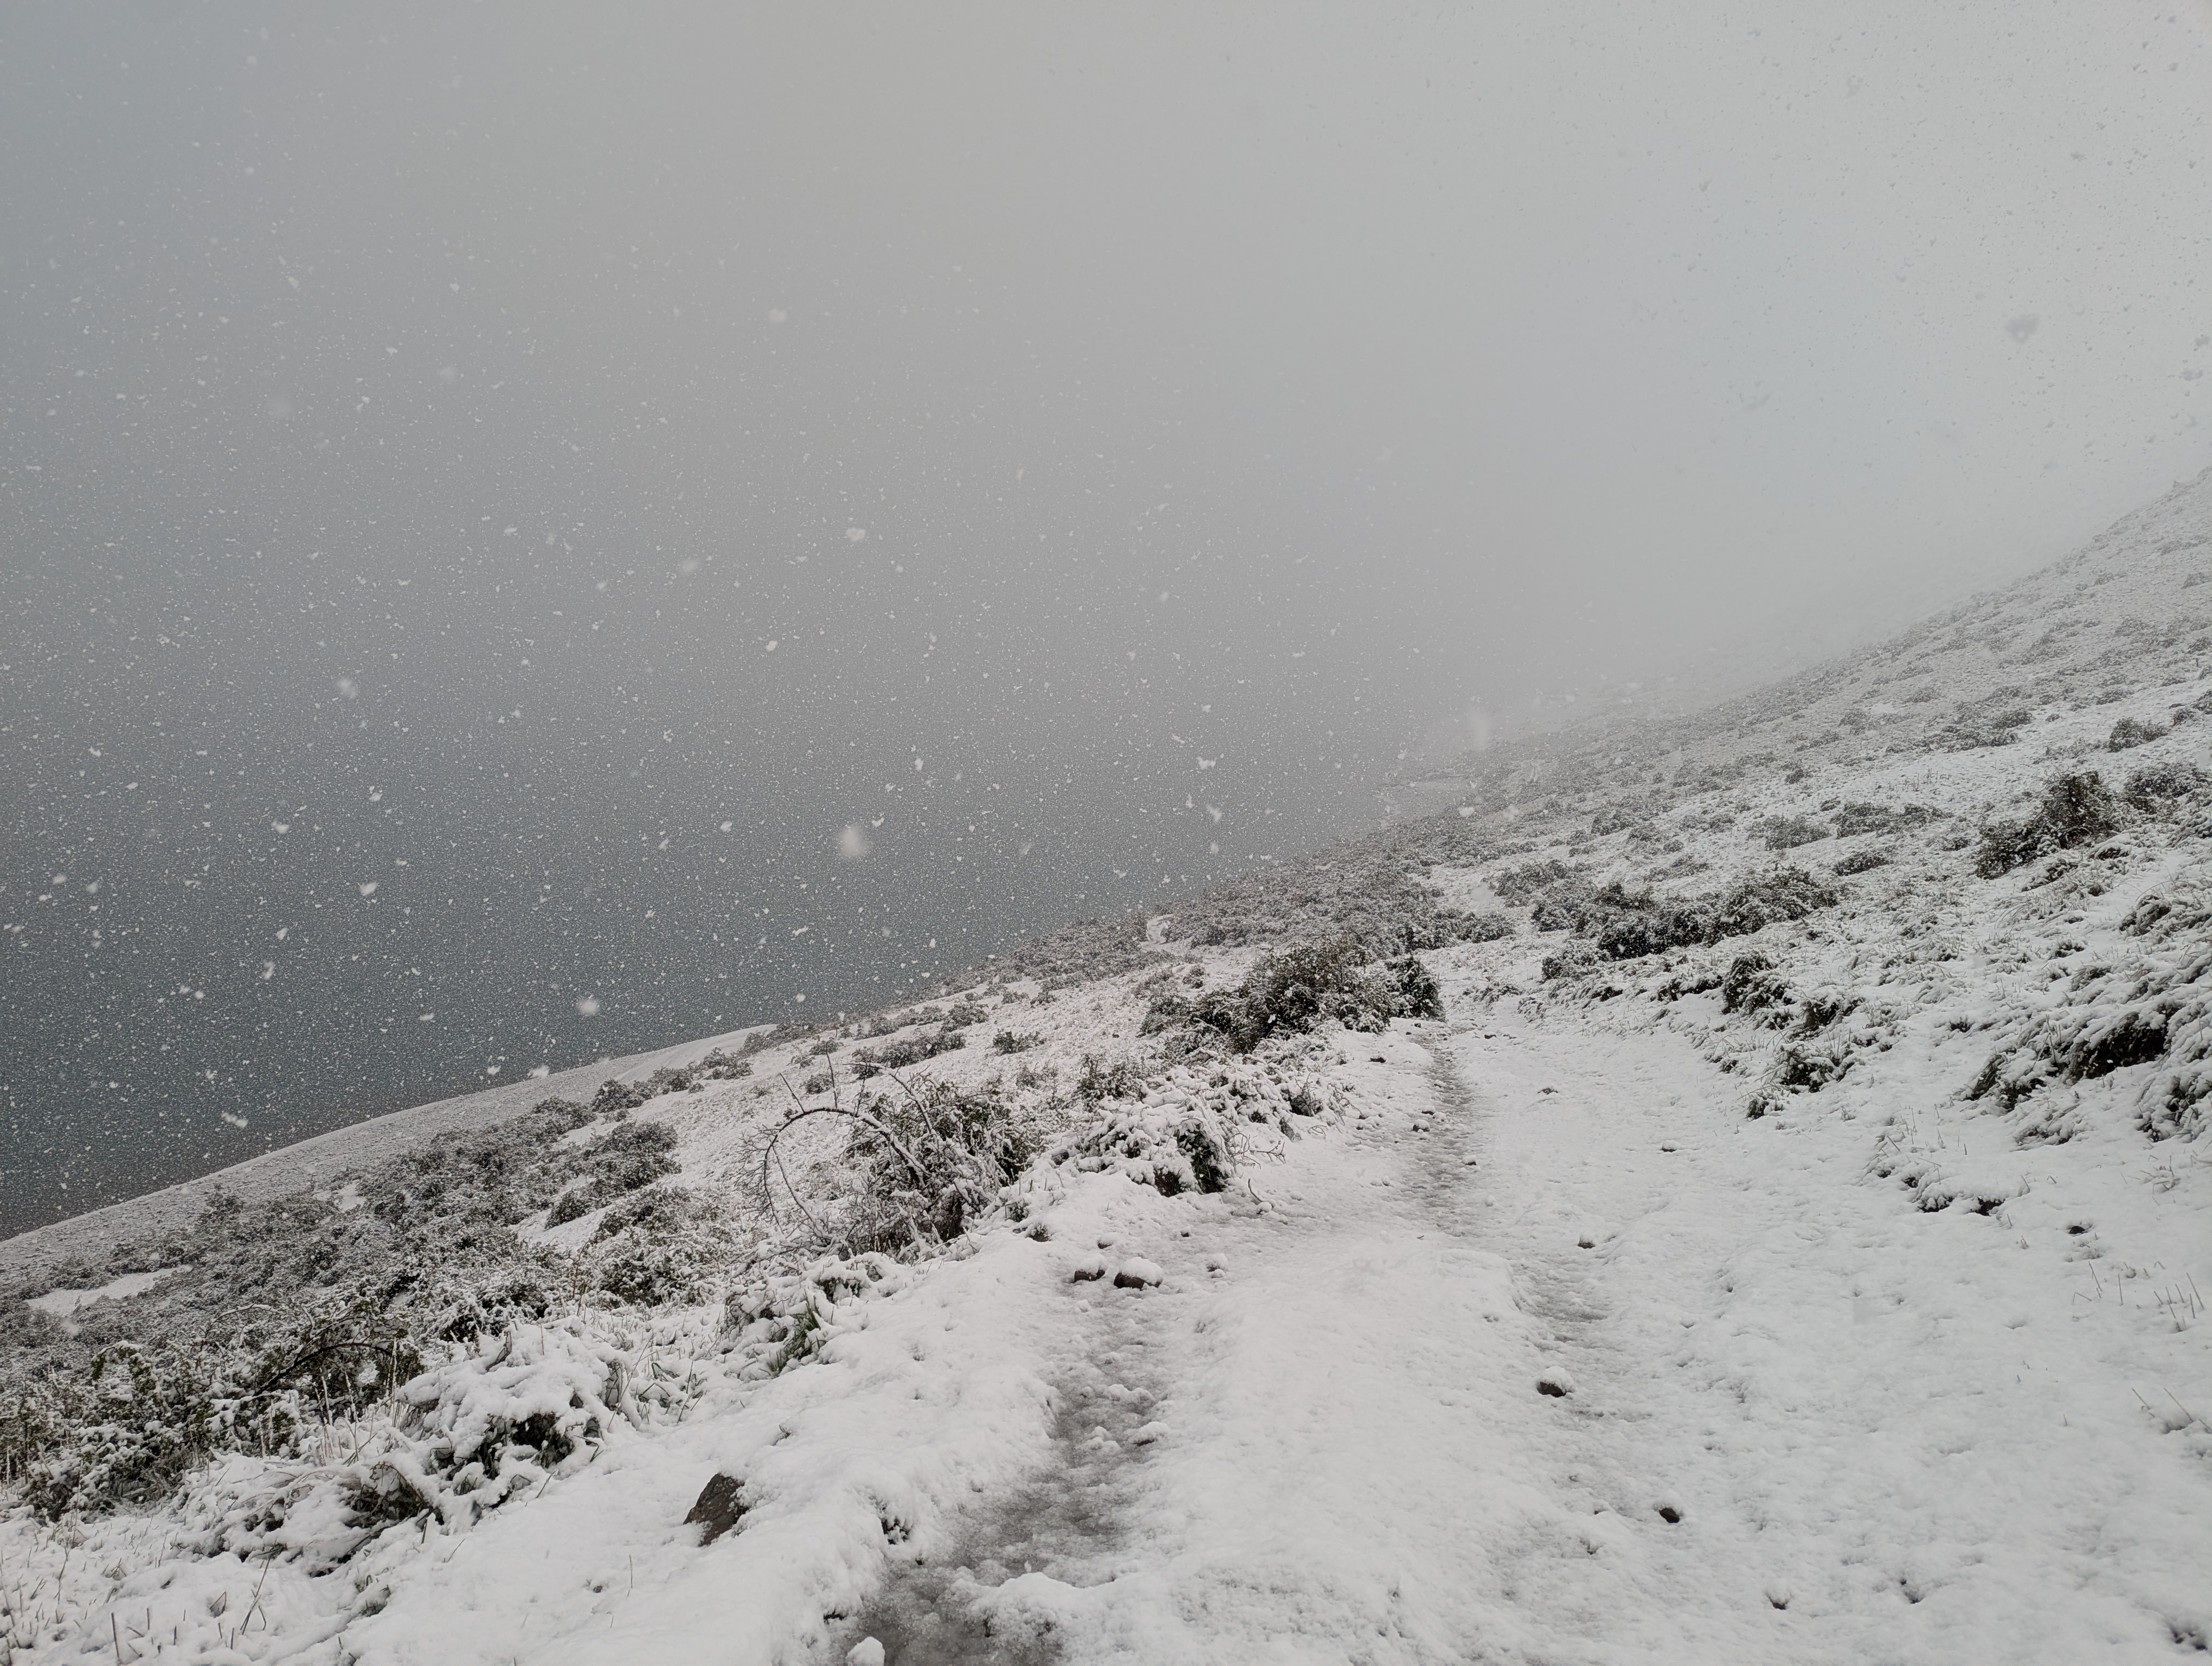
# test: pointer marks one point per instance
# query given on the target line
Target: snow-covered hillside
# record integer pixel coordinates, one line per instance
(1783, 1233)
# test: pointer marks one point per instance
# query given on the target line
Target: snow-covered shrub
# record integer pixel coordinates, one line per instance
(1976, 729)
(616, 1096)
(1612, 817)
(871, 1061)
(1097, 1080)
(1077, 953)
(488, 1425)
(932, 1156)
(2129, 731)
(1016, 1041)
(1861, 861)
(1853, 818)
(124, 1430)
(1522, 884)
(778, 1320)
(1625, 924)
(1181, 1133)
(666, 1243)
(1293, 988)
(1787, 832)
(1806, 1066)
(1628, 923)
(2076, 810)
(2156, 1009)
(1777, 895)
(1570, 961)
(280, 1307)
(1413, 989)
(1751, 983)
(2149, 787)
(1565, 907)
(628, 1156)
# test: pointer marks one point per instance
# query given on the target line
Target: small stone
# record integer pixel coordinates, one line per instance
(1137, 1273)
(1090, 1268)
(1556, 1384)
(719, 1508)
(866, 1652)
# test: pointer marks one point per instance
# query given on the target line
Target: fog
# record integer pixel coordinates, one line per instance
(530, 531)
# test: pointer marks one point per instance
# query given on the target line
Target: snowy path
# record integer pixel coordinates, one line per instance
(1881, 1435)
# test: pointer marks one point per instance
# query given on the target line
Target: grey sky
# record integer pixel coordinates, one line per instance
(1070, 394)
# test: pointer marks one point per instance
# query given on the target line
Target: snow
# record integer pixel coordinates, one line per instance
(60, 1304)
(1570, 1329)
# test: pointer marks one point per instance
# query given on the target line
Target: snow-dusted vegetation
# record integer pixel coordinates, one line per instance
(1730, 1190)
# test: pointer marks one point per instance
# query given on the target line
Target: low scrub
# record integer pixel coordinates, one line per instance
(1625, 923)
(2074, 810)
(1787, 832)
(2155, 1009)
(1861, 861)
(1854, 819)
(1382, 901)
(1294, 988)
(2147, 788)
(870, 1061)
(314, 1303)
(931, 1156)
(2130, 733)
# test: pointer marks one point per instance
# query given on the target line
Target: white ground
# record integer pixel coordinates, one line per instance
(1888, 1435)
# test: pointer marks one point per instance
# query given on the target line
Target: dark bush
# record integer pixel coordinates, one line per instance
(1293, 988)
(1808, 1069)
(1096, 1079)
(1624, 934)
(2076, 810)
(2148, 785)
(1876, 818)
(1971, 730)
(2129, 731)
(571, 1206)
(1562, 909)
(631, 1155)
(1787, 832)
(1014, 1041)
(1570, 961)
(1415, 989)
(1751, 983)
(932, 1157)
(1625, 924)
(1861, 861)
(899, 1054)
(1779, 895)
(1518, 884)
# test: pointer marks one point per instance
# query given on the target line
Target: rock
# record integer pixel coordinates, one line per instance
(1136, 1274)
(866, 1652)
(1556, 1384)
(1090, 1268)
(719, 1508)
